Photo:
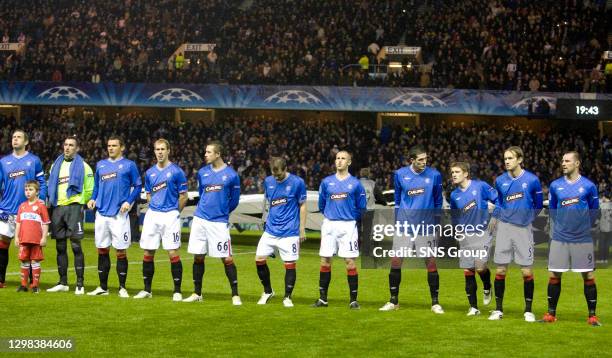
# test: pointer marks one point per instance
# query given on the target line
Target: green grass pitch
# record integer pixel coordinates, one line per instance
(160, 327)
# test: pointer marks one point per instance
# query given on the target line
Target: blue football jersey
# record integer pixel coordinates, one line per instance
(418, 196)
(284, 198)
(342, 199)
(520, 198)
(14, 173)
(115, 182)
(219, 193)
(164, 186)
(573, 209)
(470, 205)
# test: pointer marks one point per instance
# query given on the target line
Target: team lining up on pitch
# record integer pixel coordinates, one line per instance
(115, 185)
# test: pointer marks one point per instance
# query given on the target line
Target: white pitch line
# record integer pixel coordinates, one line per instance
(129, 262)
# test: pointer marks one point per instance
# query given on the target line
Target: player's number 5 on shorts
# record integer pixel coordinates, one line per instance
(223, 247)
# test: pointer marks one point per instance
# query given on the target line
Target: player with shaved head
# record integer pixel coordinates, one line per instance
(573, 204)
(342, 199)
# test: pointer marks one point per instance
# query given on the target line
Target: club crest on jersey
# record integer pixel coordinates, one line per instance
(524, 185)
(474, 192)
(339, 196)
(514, 196)
(120, 166)
(350, 186)
(427, 180)
(279, 201)
(28, 163)
(159, 187)
(168, 175)
(17, 174)
(35, 207)
(213, 188)
(570, 202)
(415, 192)
(581, 190)
(109, 176)
(224, 178)
(288, 188)
(471, 205)
(63, 180)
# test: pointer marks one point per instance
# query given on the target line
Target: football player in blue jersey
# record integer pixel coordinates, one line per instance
(166, 188)
(418, 200)
(520, 202)
(342, 199)
(219, 188)
(117, 186)
(285, 195)
(15, 170)
(573, 207)
(469, 204)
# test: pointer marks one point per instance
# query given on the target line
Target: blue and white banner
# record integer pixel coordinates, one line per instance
(321, 98)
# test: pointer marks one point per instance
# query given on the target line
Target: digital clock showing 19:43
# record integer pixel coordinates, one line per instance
(599, 110)
(584, 110)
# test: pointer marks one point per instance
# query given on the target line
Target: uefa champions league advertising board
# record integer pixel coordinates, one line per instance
(373, 99)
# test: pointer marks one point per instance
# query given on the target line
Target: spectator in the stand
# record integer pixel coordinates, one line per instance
(469, 43)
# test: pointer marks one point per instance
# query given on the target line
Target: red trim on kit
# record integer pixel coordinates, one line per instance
(554, 280)
(351, 272)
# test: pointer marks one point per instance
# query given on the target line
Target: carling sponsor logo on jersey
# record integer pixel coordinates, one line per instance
(339, 196)
(570, 201)
(514, 196)
(213, 188)
(63, 180)
(415, 192)
(30, 216)
(109, 176)
(160, 186)
(471, 205)
(17, 174)
(279, 201)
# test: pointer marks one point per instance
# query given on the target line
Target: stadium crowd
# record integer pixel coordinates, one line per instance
(311, 145)
(476, 44)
